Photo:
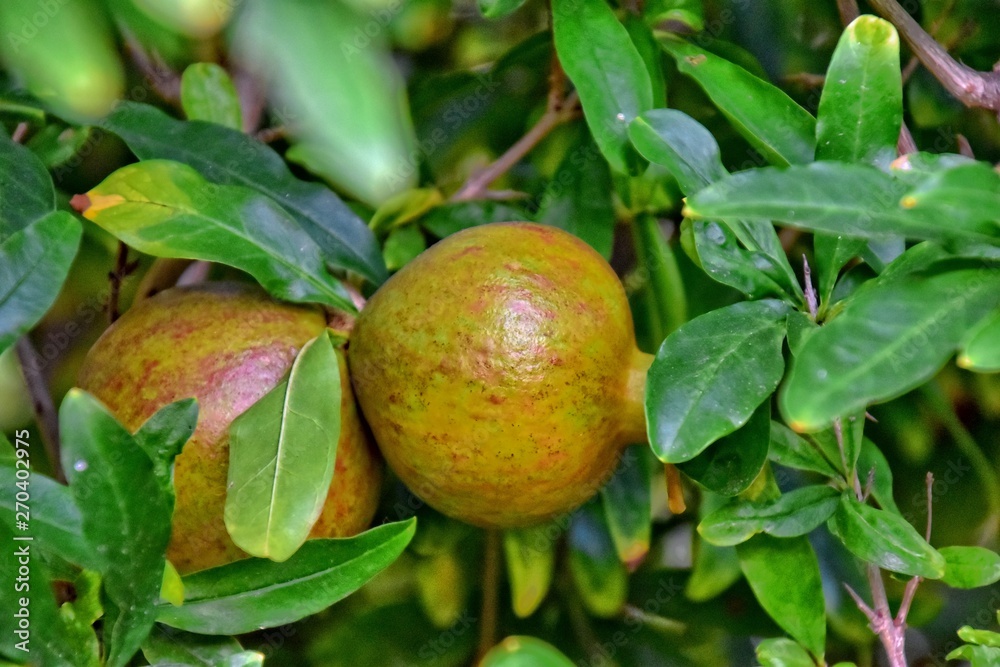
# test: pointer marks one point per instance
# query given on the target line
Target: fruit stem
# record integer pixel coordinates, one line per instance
(634, 418)
(489, 615)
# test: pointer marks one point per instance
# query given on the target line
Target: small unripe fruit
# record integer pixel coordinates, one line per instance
(500, 375)
(227, 345)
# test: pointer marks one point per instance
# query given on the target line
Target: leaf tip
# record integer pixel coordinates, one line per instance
(909, 201)
(89, 206)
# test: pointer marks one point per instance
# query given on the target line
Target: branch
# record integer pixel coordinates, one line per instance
(488, 618)
(41, 401)
(969, 86)
(555, 115)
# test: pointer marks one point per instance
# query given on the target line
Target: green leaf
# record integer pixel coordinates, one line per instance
(656, 260)
(64, 54)
(980, 637)
(884, 343)
(792, 450)
(34, 263)
(448, 219)
(978, 656)
(970, 567)
(795, 513)
(497, 9)
(628, 507)
(608, 72)
(783, 652)
(651, 54)
(56, 144)
(281, 459)
(687, 13)
(600, 577)
(49, 639)
(724, 259)
(56, 526)
(167, 209)
(683, 145)
(208, 94)
(228, 157)
(981, 348)
(731, 464)
(834, 197)
(715, 568)
(711, 374)
(885, 539)
(530, 554)
(794, 602)
(966, 196)
(126, 517)
(402, 245)
(516, 651)
(165, 644)
(861, 108)
(860, 113)
(680, 143)
(347, 104)
(871, 461)
(26, 192)
(763, 114)
(255, 593)
(164, 434)
(578, 198)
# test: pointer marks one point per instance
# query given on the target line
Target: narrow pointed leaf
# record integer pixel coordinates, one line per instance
(228, 157)
(600, 577)
(608, 72)
(794, 602)
(34, 263)
(859, 116)
(885, 342)
(885, 539)
(628, 507)
(833, 197)
(763, 114)
(861, 108)
(683, 145)
(530, 555)
(711, 374)
(792, 450)
(873, 465)
(795, 513)
(167, 209)
(281, 461)
(164, 434)
(258, 593)
(208, 94)
(125, 515)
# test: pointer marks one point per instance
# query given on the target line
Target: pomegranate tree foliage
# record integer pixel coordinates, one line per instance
(806, 240)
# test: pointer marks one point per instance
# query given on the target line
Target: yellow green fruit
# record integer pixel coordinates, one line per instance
(227, 345)
(500, 375)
